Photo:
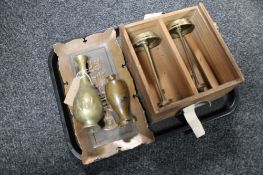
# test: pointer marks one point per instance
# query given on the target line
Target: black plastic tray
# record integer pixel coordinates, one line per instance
(219, 108)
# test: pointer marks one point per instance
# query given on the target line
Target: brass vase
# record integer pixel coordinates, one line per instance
(117, 94)
(87, 106)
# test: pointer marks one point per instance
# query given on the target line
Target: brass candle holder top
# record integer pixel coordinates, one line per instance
(149, 38)
(144, 42)
(185, 25)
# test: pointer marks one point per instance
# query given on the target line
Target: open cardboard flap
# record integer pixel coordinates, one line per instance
(101, 48)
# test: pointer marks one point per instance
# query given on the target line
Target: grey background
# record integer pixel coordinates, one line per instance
(31, 135)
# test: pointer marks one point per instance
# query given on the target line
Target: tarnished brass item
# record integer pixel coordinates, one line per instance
(109, 120)
(178, 29)
(117, 94)
(184, 25)
(144, 42)
(87, 107)
(109, 114)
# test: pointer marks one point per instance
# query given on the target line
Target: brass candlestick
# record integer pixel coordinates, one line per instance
(144, 42)
(178, 29)
(87, 107)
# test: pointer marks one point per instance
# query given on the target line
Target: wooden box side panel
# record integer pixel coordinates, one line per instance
(235, 68)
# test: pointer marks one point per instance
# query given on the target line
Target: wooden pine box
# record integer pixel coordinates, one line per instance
(220, 68)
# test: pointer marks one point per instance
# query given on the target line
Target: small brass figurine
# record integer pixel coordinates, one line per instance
(144, 42)
(109, 114)
(117, 94)
(109, 120)
(178, 29)
(87, 107)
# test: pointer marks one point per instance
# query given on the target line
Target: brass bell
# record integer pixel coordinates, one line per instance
(87, 106)
(178, 29)
(144, 42)
(117, 94)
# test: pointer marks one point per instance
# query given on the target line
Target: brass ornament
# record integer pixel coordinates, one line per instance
(178, 29)
(109, 120)
(184, 25)
(87, 106)
(117, 95)
(97, 75)
(109, 115)
(144, 42)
